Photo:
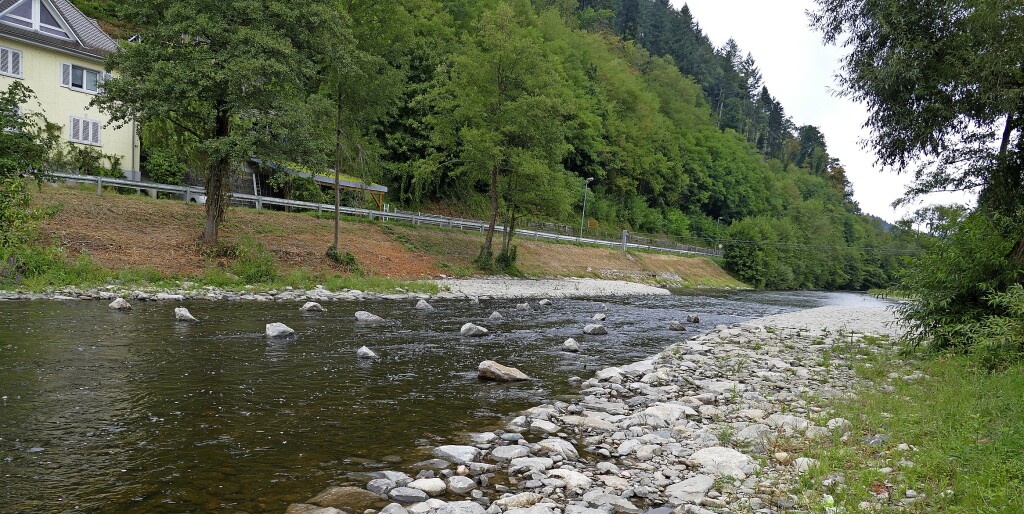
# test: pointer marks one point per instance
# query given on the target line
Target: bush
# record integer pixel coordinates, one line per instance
(254, 263)
(345, 259)
(961, 285)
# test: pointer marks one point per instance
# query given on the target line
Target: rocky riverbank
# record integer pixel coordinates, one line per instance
(448, 289)
(713, 424)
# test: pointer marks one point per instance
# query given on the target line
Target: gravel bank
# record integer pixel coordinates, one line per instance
(713, 424)
(545, 288)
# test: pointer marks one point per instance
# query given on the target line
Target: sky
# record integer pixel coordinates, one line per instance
(800, 71)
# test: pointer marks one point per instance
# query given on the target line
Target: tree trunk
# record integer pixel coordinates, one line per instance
(1017, 254)
(337, 173)
(485, 252)
(218, 180)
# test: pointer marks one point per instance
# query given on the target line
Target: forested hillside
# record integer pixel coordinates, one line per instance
(505, 108)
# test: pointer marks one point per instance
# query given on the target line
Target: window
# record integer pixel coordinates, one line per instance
(82, 79)
(10, 62)
(85, 131)
(36, 15)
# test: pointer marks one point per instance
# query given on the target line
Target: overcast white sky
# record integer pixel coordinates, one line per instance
(800, 71)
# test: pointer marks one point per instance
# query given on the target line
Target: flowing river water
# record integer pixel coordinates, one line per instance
(106, 411)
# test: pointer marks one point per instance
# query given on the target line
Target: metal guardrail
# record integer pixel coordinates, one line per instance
(258, 202)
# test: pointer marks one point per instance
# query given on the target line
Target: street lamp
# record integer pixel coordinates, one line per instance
(584, 216)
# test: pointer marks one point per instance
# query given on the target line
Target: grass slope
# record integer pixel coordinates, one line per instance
(133, 232)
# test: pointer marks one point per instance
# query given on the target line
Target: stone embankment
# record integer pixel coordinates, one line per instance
(449, 289)
(713, 424)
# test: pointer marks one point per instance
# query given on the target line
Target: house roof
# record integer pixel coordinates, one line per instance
(91, 40)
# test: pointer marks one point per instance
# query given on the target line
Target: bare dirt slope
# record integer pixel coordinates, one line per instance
(136, 231)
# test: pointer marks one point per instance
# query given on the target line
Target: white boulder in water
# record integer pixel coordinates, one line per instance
(366, 353)
(424, 306)
(595, 330)
(693, 318)
(676, 326)
(472, 330)
(544, 302)
(491, 370)
(522, 307)
(182, 314)
(366, 316)
(570, 345)
(496, 316)
(279, 330)
(599, 317)
(312, 307)
(120, 304)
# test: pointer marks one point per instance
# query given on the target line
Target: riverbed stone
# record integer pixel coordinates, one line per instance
(461, 507)
(459, 454)
(788, 423)
(120, 304)
(431, 486)
(312, 307)
(545, 302)
(381, 486)
(275, 330)
(573, 479)
(802, 464)
(407, 495)
(600, 498)
(507, 453)
(423, 305)
(346, 497)
(471, 330)
(570, 345)
(423, 507)
(394, 508)
(461, 485)
(692, 318)
(518, 501)
(719, 460)
(367, 317)
(530, 463)
(541, 426)
(490, 370)
(599, 317)
(182, 314)
(594, 329)
(522, 306)
(496, 316)
(691, 490)
(556, 446)
(676, 326)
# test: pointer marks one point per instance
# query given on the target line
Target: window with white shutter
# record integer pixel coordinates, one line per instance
(85, 131)
(10, 62)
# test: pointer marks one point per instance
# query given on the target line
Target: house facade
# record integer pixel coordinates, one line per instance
(57, 51)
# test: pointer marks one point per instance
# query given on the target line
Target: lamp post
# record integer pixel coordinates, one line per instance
(584, 216)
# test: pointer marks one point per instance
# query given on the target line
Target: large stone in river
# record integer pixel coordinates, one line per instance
(347, 497)
(461, 485)
(490, 370)
(471, 330)
(719, 460)
(312, 307)
(182, 314)
(530, 463)
(424, 306)
(305, 508)
(556, 446)
(496, 316)
(366, 353)
(367, 317)
(570, 345)
(572, 479)
(279, 330)
(120, 304)
(595, 330)
(458, 454)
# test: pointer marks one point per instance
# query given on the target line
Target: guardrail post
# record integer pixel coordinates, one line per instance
(188, 193)
(625, 237)
(99, 185)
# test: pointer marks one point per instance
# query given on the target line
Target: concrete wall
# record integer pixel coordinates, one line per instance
(42, 72)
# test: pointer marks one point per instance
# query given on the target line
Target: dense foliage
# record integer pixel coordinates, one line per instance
(502, 109)
(945, 88)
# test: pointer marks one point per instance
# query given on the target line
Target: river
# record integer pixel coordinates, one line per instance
(106, 411)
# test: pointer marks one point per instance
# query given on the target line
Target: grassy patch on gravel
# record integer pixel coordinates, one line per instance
(964, 427)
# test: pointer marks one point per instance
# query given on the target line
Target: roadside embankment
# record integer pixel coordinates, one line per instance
(721, 422)
(159, 238)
